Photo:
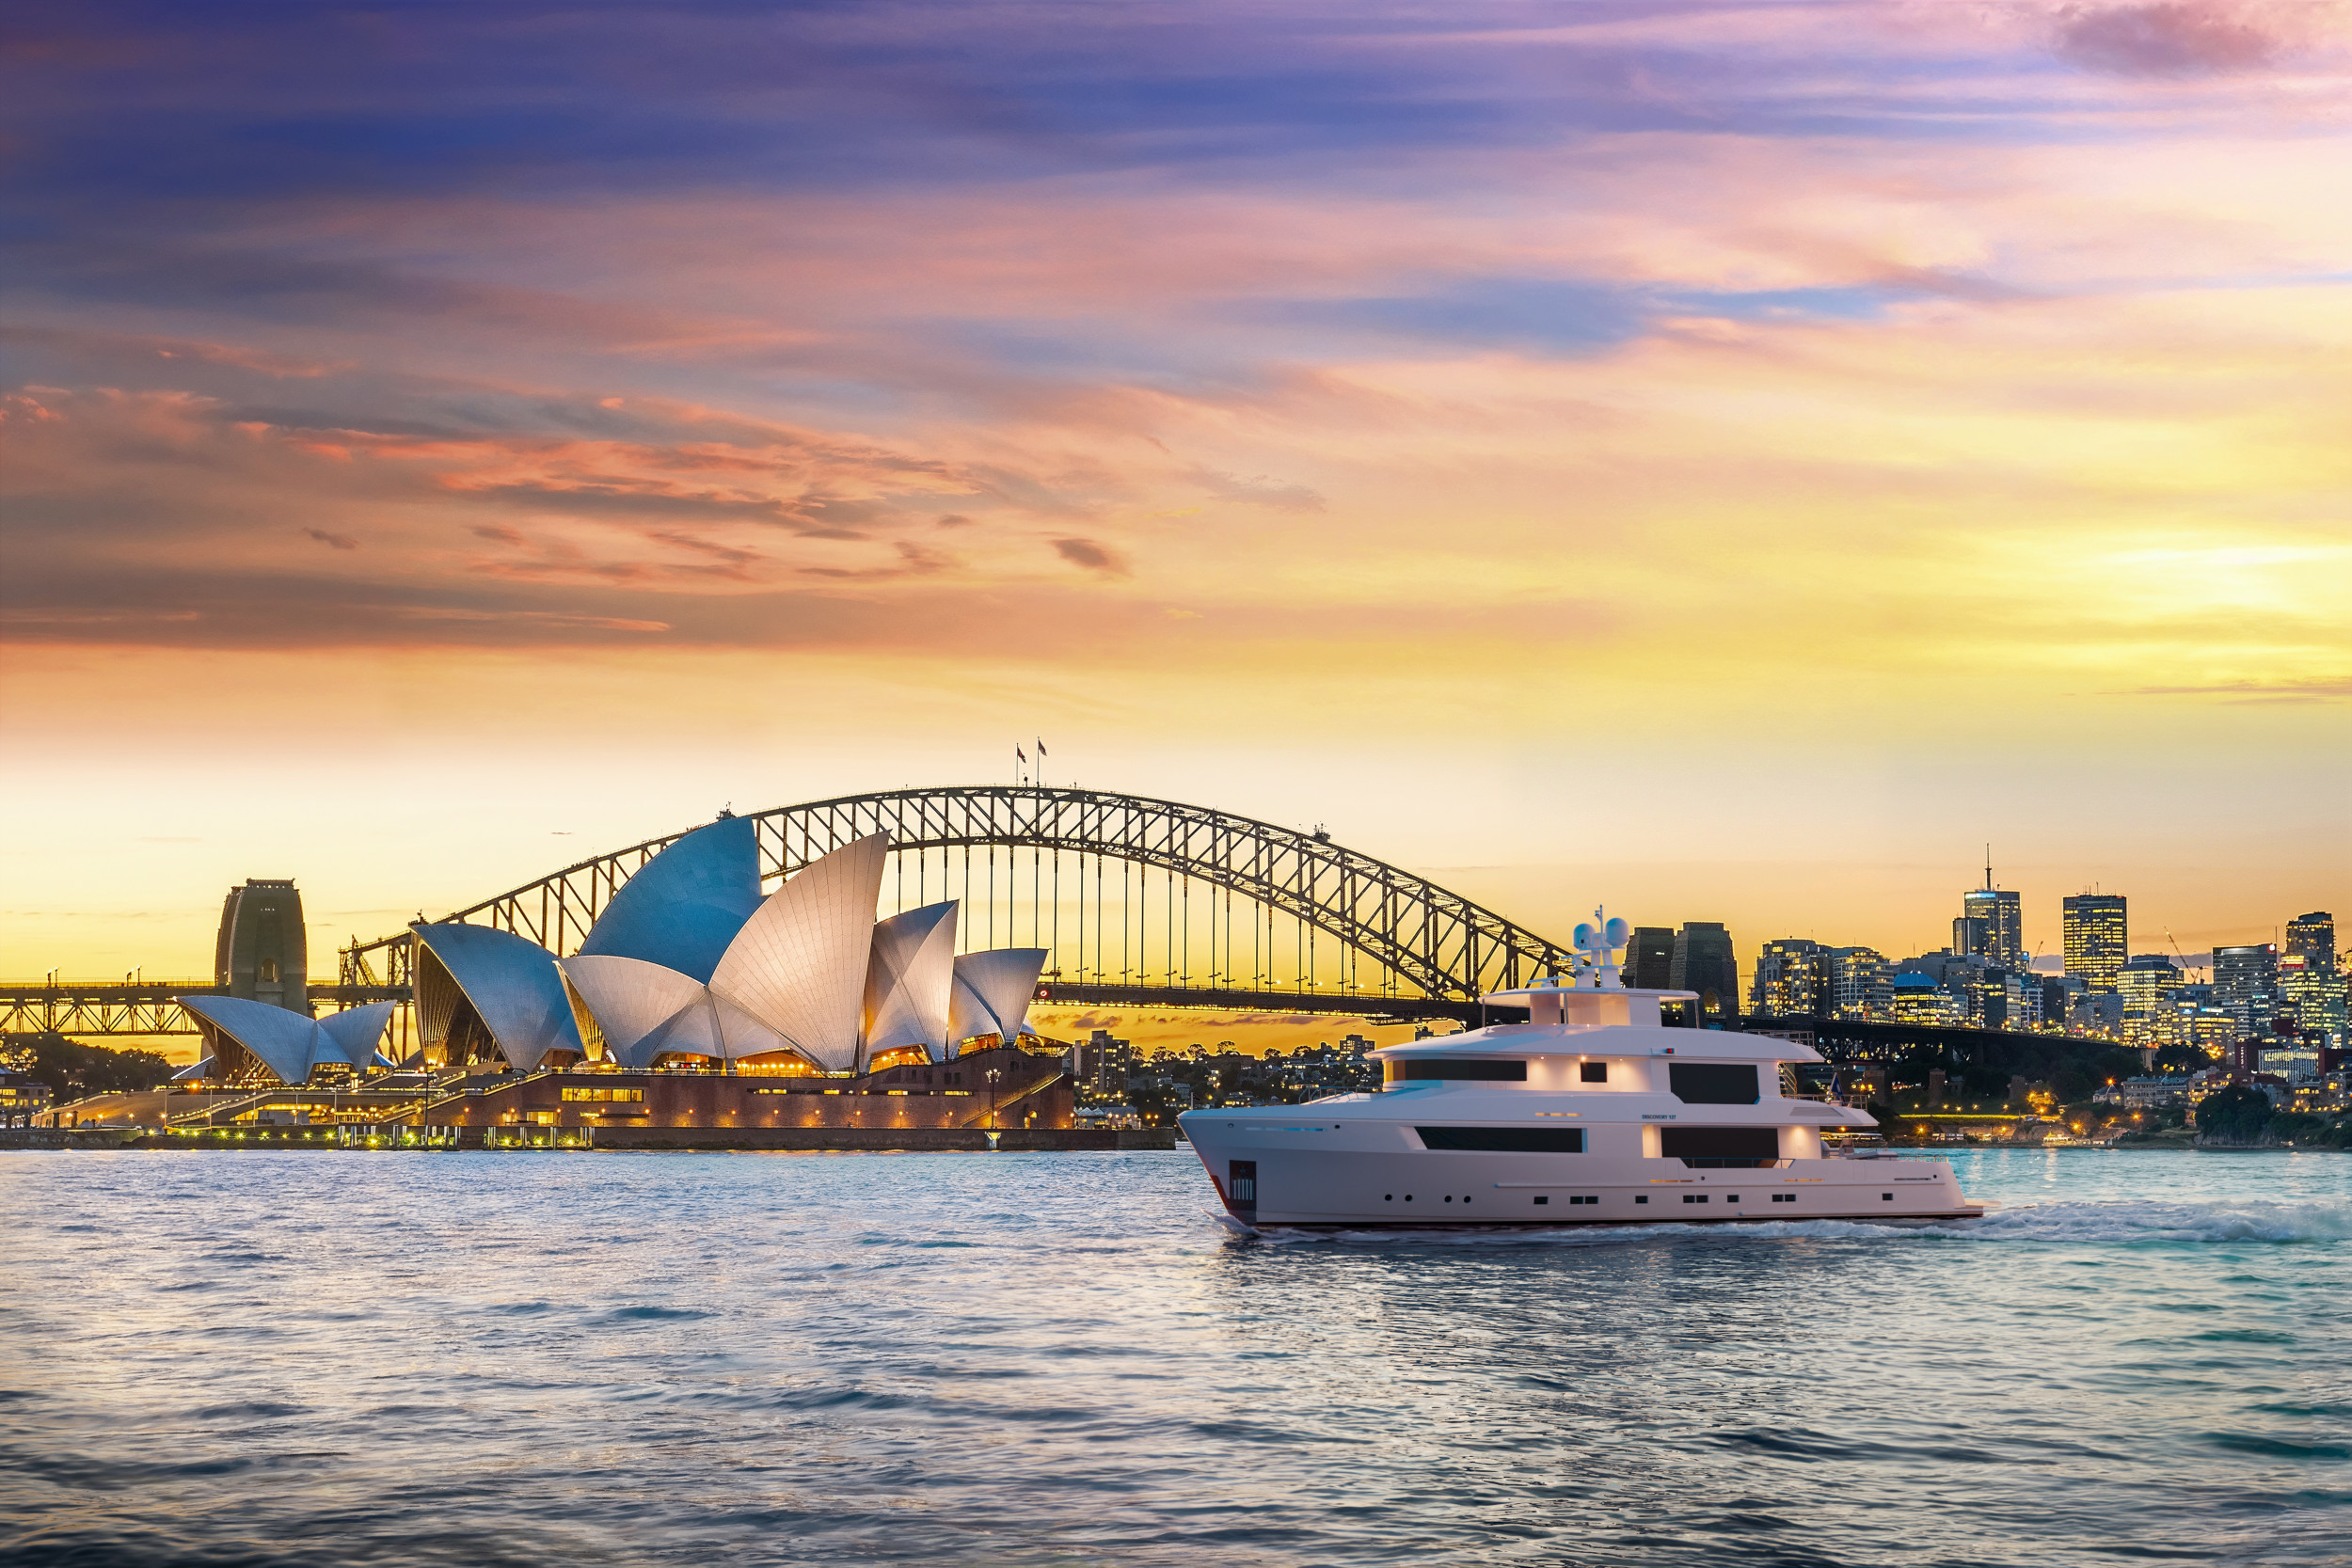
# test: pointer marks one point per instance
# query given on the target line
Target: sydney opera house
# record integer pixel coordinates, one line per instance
(690, 967)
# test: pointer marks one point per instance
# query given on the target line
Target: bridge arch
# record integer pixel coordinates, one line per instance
(1364, 936)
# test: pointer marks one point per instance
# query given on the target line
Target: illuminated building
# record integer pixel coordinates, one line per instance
(2096, 938)
(2146, 984)
(2308, 983)
(906, 1105)
(1791, 979)
(1991, 924)
(1916, 998)
(1859, 982)
(261, 953)
(2245, 985)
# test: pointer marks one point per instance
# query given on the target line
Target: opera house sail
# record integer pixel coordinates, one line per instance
(254, 1042)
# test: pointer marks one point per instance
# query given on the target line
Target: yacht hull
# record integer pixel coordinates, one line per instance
(1328, 1187)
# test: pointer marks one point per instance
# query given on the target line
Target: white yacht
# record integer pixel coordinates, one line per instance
(1593, 1112)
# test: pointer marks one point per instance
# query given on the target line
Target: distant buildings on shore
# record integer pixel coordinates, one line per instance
(2261, 1009)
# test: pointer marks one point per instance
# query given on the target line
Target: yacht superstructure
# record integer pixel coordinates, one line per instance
(1593, 1112)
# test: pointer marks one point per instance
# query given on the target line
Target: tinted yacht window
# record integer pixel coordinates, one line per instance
(1461, 1069)
(1505, 1140)
(1714, 1083)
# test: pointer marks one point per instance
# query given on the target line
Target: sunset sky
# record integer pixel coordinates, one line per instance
(1729, 461)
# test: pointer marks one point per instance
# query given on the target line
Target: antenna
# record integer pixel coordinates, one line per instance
(1988, 869)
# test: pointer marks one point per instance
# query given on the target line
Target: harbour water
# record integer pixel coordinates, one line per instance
(594, 1358)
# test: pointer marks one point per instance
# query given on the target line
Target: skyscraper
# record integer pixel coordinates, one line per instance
(2309, 985)
(2095, 938)
(1704, 962)
(2245, 984)
(1992, 923)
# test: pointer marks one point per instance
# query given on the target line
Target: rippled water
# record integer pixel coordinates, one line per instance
(526, 1358)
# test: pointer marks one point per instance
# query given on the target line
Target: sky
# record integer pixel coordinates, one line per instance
(1725, 461)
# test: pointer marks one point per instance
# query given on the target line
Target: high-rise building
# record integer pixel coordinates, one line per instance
(2095, 938)
(1791, 979)
(2245, 984)
(1972, 935)
(1860, 982)
(1649, 959)
(2146, 984)
(1992, 923)
(263, 952)
(1704, 962)
(2310, 987)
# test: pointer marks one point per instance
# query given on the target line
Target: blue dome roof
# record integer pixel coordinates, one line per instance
(683, 908)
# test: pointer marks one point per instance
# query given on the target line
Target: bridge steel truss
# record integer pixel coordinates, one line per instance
(1366, 936)
(75, 1008)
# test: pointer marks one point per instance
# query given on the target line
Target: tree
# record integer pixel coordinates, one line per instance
(73, 1070)
(2235, 1114)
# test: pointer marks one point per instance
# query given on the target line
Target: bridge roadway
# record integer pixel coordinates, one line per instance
(80, 1007)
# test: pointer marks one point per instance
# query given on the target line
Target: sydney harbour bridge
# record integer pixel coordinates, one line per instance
(1138, 902)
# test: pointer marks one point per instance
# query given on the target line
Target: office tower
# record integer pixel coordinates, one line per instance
(1992, 923)
(2095, 933)
(2313, 936)
(2309, 985)
(1791, 978)
(2245, 985)
(1972, 935)
(1703, 962)
(263, 953)
(2146, 984)
(1649, 959)
(1860, 982)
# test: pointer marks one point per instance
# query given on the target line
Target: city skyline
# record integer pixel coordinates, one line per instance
(1726, 462)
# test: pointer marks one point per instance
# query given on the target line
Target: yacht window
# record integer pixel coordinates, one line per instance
(1505, 1140)
(1695, 1197)
(1642, 1197)
(1596, 1073)
(1461, 1070)
(1543, 1200)
(1713, 1083)
(1720, 1146)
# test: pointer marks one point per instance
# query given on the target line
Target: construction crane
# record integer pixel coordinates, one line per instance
(2183, 956)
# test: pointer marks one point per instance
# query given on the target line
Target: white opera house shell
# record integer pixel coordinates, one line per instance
(249, 1042)
(688, 963)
